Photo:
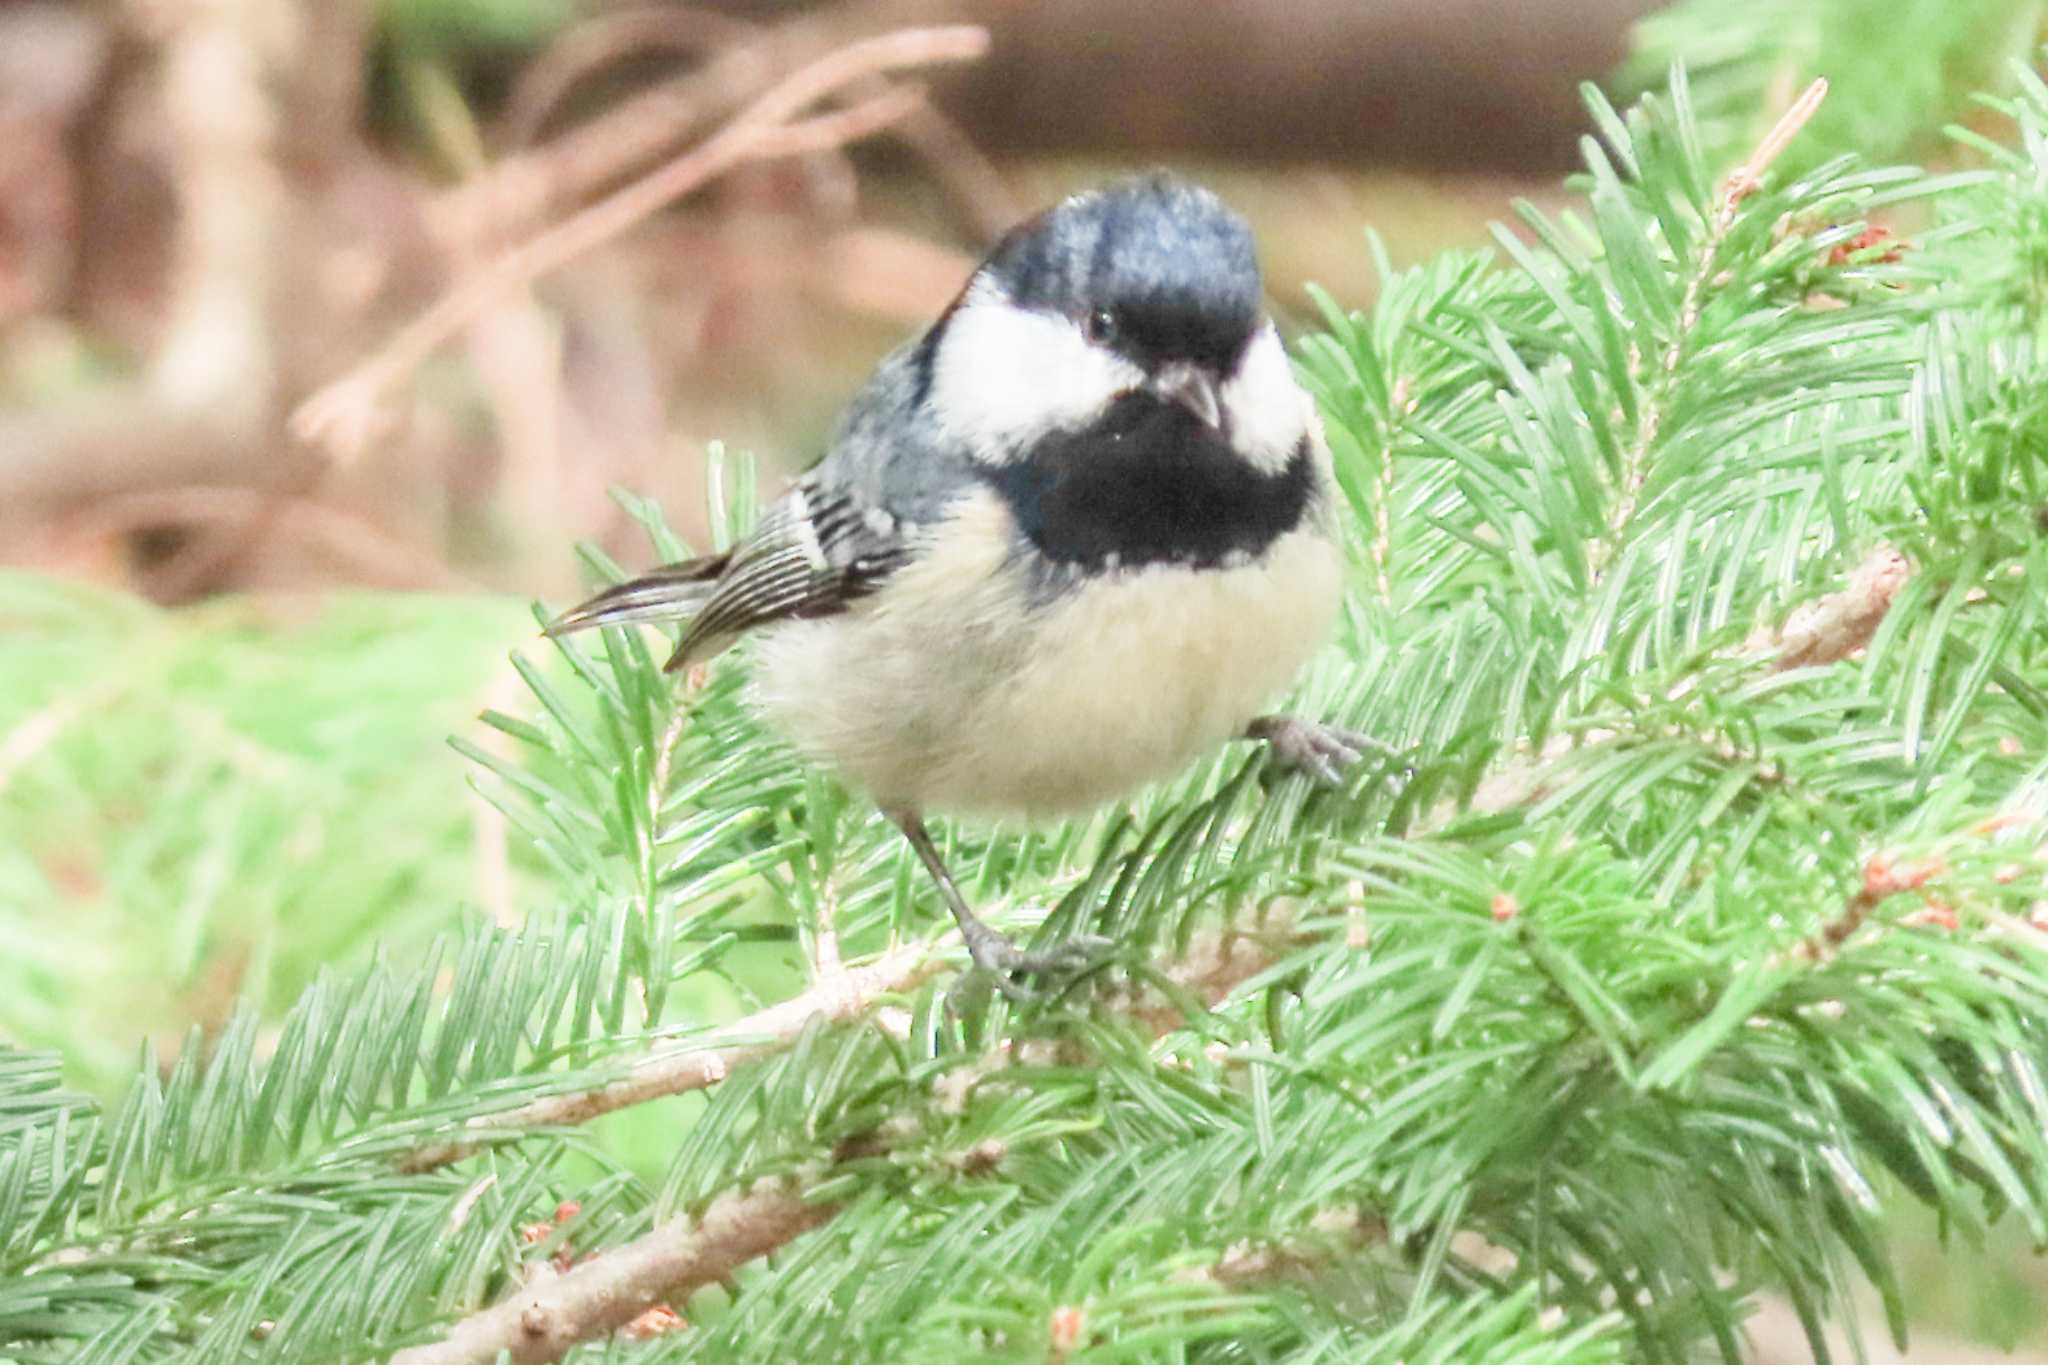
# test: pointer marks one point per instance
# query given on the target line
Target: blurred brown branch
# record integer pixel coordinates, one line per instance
(342, 415)
(270, 205)
(608, 37)
(207, 393)
(525, 186)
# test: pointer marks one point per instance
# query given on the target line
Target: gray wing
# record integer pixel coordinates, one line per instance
(828, 542)
(814, 553)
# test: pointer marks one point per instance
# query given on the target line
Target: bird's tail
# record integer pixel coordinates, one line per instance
(674, 592)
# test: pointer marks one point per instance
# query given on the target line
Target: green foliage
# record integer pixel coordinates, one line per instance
(1624, 989)
(260, 1178)
(216, 802)
(459, 26)
(1899, 69)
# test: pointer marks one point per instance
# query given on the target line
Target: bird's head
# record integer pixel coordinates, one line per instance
(1147, 287)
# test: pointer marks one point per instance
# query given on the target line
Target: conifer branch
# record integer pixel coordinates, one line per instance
(1824, 631)
(1215, 963)
(1740, 183)
(603, 1294)
(1331, 1235)
(702, 1063)
(608, 1291)
(1747, 178)
(1571, 1070)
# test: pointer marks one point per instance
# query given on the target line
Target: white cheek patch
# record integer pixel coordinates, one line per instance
(1005, 376)
(1266, 412)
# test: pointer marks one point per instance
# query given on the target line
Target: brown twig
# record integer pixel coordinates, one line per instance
(1883, 878)
(520, 189)
(523, 188)
(1214, 963)
(1330, 1235)
(343, 414)
(702, 1062)
(599, 1296)
(1217, 962)
(605, 38)
(1744, 179)
(962, 171)
(1834, 627)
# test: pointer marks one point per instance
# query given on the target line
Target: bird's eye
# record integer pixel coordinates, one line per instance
(1100, 326)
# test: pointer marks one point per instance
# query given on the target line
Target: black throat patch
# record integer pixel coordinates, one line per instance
(1148, 483)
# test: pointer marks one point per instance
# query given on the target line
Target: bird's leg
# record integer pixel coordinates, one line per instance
(1322, 751)
(990, 949)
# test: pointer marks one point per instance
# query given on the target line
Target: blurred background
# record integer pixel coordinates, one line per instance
(210, 208)
(227, 436)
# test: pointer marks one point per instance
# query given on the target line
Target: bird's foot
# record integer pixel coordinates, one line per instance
(1005, 962)
(1322, 751)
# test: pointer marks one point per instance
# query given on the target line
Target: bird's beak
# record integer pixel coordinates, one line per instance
(1191, 386)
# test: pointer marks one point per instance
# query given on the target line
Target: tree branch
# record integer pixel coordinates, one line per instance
(1824, 630)
(609, 37)
(1215, 963)
(1329, 1236)
(1739, 185)
(701, 1063)
(372, 556)
(601, 1295)
(1836, 626)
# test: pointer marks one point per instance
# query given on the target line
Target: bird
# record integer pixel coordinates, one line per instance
(1078, 533)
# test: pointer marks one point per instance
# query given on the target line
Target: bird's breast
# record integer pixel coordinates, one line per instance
(951, 691)
(1135, 674)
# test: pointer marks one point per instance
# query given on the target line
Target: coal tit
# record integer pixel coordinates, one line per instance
(1071, 538)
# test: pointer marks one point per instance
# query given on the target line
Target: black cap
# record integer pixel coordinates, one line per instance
(1156, 267)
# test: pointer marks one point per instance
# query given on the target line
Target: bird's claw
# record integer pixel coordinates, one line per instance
(1004, 962)
(1322, 751)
